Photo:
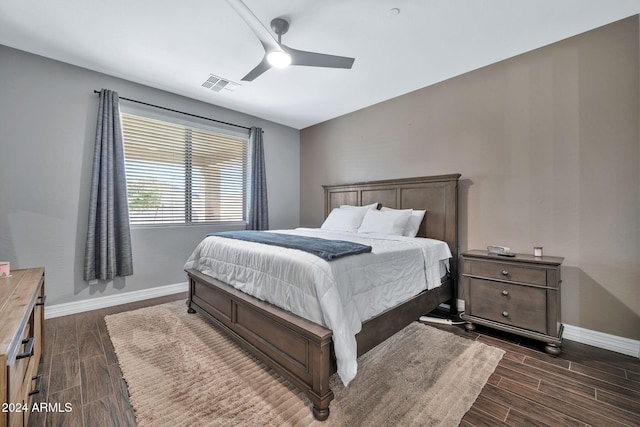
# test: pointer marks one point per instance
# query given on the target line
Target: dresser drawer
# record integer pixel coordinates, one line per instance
(22, 379)
(16, 374)
(30, 386)
(516, 305)
(511, 272)
(18, 370)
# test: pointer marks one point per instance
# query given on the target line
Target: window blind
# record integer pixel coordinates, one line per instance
(181, 175)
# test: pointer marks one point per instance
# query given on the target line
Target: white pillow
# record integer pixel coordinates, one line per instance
(344, 220)
(385, 222)
(413, 225)
(371, 206)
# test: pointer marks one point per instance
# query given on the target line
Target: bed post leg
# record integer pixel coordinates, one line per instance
(320, 407)
(190, 310)
(320, 393)
(453, 308)
(453, 305)
(320, 414)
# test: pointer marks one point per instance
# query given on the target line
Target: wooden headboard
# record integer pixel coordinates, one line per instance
(438, 195)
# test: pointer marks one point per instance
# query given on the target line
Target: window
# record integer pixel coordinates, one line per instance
(178, 174)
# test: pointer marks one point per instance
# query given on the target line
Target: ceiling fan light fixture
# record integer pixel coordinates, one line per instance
(279, 59)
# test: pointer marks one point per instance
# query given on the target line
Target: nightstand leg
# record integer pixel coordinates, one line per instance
(552, 349)
(469, 326)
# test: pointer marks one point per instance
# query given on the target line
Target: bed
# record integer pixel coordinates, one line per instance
(302, 351)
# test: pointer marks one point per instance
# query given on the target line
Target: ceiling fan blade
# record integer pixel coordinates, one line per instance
(268, 41)
(313, 59)
(258, 70)
(271, 45)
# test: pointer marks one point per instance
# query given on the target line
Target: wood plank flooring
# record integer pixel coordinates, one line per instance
(584, 386)
(80, 367)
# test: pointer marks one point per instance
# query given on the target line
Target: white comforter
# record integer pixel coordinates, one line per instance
(340, 294)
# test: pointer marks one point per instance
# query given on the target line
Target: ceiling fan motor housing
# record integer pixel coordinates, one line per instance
(279, 26)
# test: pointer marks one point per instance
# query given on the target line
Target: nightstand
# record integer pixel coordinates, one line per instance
(518, 294)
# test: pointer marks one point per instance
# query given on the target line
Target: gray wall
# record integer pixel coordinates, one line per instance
(47, 128)
(548, 147)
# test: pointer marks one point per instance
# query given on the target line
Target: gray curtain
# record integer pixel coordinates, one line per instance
(108, 251)
(258, 212)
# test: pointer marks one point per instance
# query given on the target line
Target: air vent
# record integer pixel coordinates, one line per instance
(216, 84)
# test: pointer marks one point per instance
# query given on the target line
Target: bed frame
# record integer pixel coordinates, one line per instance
(302, 351)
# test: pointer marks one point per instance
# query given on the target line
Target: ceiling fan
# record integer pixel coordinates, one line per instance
(277, 54)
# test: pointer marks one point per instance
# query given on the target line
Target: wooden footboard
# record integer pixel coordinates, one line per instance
(295, 348)
(298, 349)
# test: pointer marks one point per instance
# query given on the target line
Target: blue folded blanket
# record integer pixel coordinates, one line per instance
(324, 248)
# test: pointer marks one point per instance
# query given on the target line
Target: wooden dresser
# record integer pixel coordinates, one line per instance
(518, 294)
(21, 343)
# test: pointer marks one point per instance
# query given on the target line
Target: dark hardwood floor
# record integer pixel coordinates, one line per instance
(584, 386)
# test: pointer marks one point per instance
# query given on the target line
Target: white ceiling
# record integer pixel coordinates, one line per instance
(175, 45)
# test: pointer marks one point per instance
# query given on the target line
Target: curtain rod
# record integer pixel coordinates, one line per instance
(180, 112)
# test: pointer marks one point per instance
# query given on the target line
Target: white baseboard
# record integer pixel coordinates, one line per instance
(574, 333)
(586, 336)
(600, 339)
(65, 309)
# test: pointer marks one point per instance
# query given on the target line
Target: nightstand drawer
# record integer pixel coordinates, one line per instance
(511, 272)
(516, 305)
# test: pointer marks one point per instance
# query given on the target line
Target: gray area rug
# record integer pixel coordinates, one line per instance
(181, 371)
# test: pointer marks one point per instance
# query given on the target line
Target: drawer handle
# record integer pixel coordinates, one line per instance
(505, 314)
(505, 292)
(28, 348)
(36, 390)
(42, 299)
(505, 273)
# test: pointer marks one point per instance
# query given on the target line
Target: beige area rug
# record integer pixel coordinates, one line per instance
(181, 371)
